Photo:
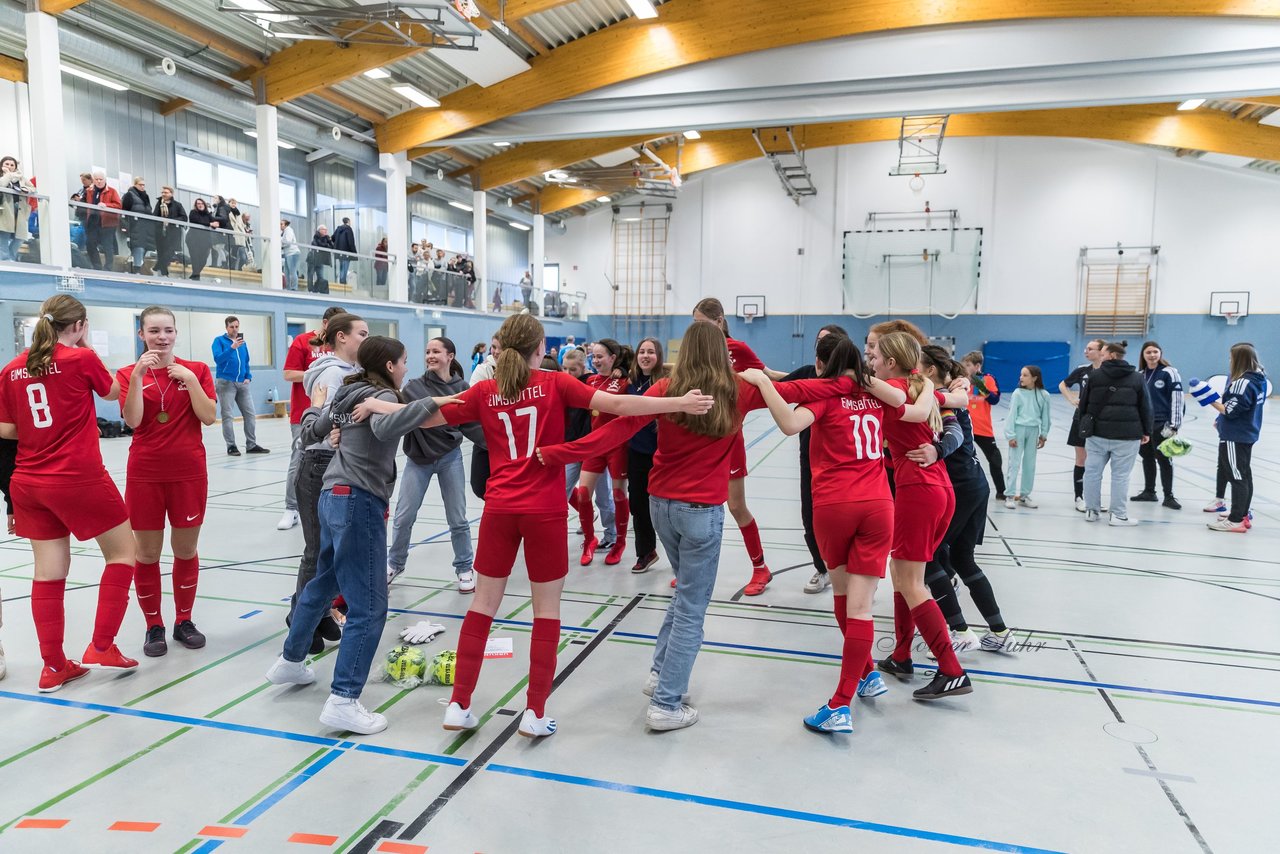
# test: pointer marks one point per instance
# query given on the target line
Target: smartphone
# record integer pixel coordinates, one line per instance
(239, 336)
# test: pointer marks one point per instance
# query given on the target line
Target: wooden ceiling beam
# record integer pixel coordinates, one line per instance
(524, 8)
(535, 158)
(351, 105)
(173, 105)
(57, 7)
(13, 69)
(183, 26)
(305, 67)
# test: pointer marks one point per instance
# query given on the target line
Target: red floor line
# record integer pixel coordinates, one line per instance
(390, 847)
(223, 832)
(42, 823)
(313, 839)
(135, 826)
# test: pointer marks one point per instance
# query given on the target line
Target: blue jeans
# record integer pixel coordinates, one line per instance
(453, 492)
(291, 271)
(690, 536)
(344, 263)
(604, 499)
(1121, 453)
(353, 541)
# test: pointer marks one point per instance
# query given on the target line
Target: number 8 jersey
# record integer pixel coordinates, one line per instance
(846, 449)
(518, 483)
(55, 414)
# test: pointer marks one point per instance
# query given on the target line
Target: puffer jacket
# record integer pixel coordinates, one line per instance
(1116, 397)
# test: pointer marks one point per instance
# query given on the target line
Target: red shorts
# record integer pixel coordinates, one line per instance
(738, 458)
(855, 534)
(182, 501)
(546, 549)
(616, 460)
(921, 515)
(47, 511)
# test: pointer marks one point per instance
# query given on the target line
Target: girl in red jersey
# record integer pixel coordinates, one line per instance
(524, 503)
(741, 357)
(852, 508)
(923, 502)
(166, 401)
(688, 487)
(60, 486)
(610, 358)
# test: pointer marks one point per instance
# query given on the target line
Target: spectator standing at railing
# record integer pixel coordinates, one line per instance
(239, 223)
(247, 249)
(291, 253)
(468, 286)
(199, 239)
(101, 222)
(13, 208)
(380, 265)
(168, 236)
(344, 240)
(141, 232)
(222, 246)
(526, 288)
(318, 259)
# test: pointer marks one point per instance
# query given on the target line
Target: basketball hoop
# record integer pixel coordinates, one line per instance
(1232, 318)
(749, 314)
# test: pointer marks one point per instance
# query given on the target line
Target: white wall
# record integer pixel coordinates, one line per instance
(734, 231)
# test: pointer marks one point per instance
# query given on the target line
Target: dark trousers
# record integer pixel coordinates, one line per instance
(806, 515)
(1151, 458)
(956, 556)
(1235, 466)
(101, 246)
(479, 472)
(638, 468)
(309, 486)
(166, 242)
(991, 450)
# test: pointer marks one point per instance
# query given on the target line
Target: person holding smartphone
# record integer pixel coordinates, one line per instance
(232, 377)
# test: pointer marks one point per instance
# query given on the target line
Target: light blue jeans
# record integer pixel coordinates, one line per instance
(291, 271)
(1022, 461)
(690, 535)
(453, 492)
(1121, 453)
(604, 499)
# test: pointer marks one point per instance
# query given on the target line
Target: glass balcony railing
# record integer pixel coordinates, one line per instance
(319, 269)
(22, 241)
(431, 285)
(514, 297)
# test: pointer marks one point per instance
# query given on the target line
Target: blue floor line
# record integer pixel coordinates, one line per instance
(775, 812)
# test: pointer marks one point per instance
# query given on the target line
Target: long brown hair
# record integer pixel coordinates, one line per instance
(704, 364)
(888, 327)
(373, 355)
(1162, 361)
(155, 309)
(1244, 358)
(659, 370)
(57, 313)
(623, 356)
(941, 361)
(838, 354)
(342, 322)
(712, 309)
(904, 349)
(520, 336)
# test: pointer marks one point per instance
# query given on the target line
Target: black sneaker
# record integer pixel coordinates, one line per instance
(233, 451)
(643, 564)
(155, 645)
(317, 644)
(1171, 503)
(944, 686)
(1000, 496)
(188, 635)
(1145, 495)
(329, 629)
(257, 449)
(902, 669)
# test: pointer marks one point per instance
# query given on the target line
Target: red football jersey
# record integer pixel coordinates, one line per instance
(518, 483)
(300, 356)
(55, 414)
(173, 450)
(903, 436)
(846, 449)
(741, 356)
(608, 385)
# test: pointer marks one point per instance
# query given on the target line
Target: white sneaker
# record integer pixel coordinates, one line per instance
(1081, 506)
(346, 714)
(3, 667)
(288, 520)
(1217, 505)
(818, 582)
(1026, 501)
(996, 641)
(651, 685)
(1122, 521)
(394, 572)
(532, 726)
(1010, 503)
(1091, 515)
(466, 582)
(290, 673)
(662, 720)
(1223, 524)
(456, 718)
(960, 642)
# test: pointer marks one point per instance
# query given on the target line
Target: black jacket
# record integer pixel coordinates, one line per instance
(1116, 397)
(428, 446)
(176, 210)
(142, 232)
(315, 257)
(344, 239)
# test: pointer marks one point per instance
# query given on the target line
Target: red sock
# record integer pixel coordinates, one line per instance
(186, 575)
(858, 637)
(842, 610)
(870, 664)
(904, 628)
(933, 628)
(586, 513)
(146, 581)
(542, 662)
(751, 539)
(113, 601)
(471, 640)
(622, 510)
(50, 619)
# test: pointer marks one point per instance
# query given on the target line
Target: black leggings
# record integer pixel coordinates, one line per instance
(806, 515)
(990, 450)
(1151, 457)
(956, 556)
(1234, 467)
(638, 467)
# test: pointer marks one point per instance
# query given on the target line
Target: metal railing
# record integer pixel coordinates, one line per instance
(319, 269)
(22, 240)
(432, 285)
(515, 297)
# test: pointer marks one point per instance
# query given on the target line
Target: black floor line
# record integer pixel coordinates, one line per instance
(384, 829)
(477, 765)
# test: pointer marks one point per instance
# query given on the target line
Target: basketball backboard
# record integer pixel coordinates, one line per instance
(1231, 305)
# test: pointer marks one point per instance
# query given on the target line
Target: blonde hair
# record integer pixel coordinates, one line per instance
(905, 351)
(520, 336)
(57, 313)
(704, 364)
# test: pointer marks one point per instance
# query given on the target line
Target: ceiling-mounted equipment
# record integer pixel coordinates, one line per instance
(648, 175)
(920, 146)
(336, 133)
(426, 25)
(779, 145)
(165, 66)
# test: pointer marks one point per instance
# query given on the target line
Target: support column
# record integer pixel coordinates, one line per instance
(270, 249)
(48, 159)
(480, 227)
(396, 167)
(538, 249)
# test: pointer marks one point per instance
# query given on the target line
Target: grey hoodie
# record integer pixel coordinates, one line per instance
(327, 371)
(366, 455)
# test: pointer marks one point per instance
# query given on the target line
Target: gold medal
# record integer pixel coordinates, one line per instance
(163, 417)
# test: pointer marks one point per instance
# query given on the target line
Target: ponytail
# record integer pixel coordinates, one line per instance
(338, 323)
(373, 355)
(57, 313)
(520, 336)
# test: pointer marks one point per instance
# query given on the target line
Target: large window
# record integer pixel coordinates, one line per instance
(205, 174)
(450, 238)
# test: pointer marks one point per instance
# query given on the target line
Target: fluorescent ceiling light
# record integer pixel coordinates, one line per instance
(502, 144)
(377, 74)
(1191, 104)
(519, 225)
(375, 176)
(642, 8)
(605, 199)
(280, 143)
(461, 206)
(632, 218)
(414, 94)
(93, 78)
(692, 134)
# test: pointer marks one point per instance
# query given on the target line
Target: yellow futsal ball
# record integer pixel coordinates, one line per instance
(406, 662)
(443, 666)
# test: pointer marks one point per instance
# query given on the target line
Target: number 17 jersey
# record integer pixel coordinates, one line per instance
(846, 449)
(513, 429)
